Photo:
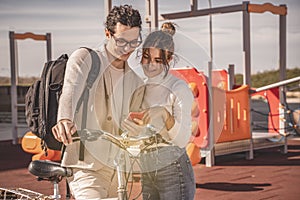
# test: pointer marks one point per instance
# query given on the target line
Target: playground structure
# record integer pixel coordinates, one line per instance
(233, 120)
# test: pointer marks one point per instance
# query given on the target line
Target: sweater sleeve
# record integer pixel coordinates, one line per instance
(181, 131)
(76, 73)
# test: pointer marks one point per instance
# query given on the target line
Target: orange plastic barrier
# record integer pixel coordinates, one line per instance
(272, 97)
(236, 115)
(231, 110)
(194, 153)
(220, 79)
(198, 84)
(32, 144)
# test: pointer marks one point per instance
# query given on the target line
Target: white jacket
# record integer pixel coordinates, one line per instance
(101, 114)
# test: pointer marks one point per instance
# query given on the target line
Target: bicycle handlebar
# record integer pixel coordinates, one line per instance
(123, 141)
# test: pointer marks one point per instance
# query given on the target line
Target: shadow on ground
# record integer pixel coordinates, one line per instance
(274, 155)
(233, 187)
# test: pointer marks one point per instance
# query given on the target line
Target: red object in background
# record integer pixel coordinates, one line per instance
(32, 144)
(272, 97)
(200, 120)
(137, 115)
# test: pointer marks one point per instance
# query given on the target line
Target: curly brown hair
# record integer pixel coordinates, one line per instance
(124, 14)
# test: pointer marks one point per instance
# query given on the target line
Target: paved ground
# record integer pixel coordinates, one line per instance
(271, 175)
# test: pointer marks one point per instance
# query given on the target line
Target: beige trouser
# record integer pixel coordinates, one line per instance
(93, 185)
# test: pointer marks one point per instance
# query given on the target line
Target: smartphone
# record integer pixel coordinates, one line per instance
(137, 115)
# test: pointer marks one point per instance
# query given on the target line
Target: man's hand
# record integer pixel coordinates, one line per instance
(63, 131)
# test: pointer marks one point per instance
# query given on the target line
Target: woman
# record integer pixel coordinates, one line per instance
(165, 108)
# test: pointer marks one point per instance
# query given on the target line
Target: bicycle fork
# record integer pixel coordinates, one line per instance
(120, 165)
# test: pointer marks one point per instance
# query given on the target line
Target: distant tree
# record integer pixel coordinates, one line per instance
(24, 81)
(268, 77)
(4, 80)
(238, 79)
(258, 80)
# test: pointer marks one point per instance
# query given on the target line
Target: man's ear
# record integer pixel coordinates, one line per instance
(107, 33)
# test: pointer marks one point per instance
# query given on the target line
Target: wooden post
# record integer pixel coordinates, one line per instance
(230, 77)
(210, 157)
(13, 88)
(14, 73)
(107, 7)
(282, 73)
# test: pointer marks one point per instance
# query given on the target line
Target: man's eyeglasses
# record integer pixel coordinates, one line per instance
(121, 42)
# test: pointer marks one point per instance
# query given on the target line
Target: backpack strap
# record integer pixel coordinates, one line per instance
(92, 76)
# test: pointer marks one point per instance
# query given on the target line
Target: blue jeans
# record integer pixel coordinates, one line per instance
(173, 181)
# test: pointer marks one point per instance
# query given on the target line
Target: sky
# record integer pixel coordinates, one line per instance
(78, 23)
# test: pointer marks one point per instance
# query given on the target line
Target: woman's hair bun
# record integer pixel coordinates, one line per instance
(168, 27)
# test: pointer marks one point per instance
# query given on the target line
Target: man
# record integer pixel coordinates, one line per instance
(107, 105)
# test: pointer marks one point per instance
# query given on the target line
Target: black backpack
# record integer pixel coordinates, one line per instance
(42, 98)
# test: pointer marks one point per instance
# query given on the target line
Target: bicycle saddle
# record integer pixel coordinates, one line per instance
(48, 170)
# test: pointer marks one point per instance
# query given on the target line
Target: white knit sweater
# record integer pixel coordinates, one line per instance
(173, 94)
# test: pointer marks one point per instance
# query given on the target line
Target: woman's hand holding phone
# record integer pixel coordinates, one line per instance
(136, 117)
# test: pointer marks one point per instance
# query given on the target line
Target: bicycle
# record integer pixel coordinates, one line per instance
(53, 172)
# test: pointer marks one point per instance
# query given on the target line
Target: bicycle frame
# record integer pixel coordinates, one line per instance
(44, 168)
